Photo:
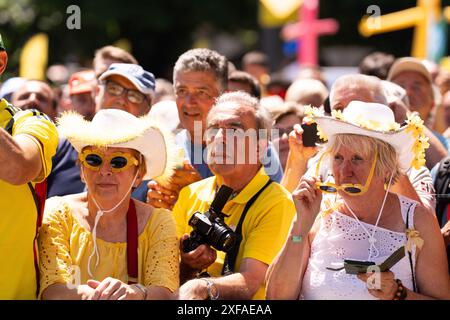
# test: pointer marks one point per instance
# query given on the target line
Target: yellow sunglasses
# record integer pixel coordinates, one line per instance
(353, 189)
(119, 161)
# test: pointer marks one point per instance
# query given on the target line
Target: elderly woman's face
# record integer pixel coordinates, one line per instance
(109, 172)
(349, 166)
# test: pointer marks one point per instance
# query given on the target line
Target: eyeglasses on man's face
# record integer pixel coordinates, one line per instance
(119, 161)
(134, 96)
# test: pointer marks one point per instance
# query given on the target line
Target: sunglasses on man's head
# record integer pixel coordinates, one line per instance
(116, 89)
(353, 189)
(119, 161)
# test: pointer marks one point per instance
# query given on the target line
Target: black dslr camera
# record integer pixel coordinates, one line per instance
(210, 228)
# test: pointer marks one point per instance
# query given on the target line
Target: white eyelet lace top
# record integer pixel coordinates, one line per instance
(341, 237)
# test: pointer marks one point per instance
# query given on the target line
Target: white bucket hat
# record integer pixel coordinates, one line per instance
(120, 129)
(377, 121)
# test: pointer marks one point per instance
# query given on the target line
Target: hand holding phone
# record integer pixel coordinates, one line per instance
(355, 266)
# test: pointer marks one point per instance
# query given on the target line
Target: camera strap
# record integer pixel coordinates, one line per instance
(230, 258)
(132, 244)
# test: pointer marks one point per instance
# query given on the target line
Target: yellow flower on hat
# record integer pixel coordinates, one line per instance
(378, 121)
(367, 123)
(311, 112)
(337, 114)
(416, 127)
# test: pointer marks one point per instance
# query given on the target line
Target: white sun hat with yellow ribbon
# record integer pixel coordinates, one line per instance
(377, 121)
(120, 129)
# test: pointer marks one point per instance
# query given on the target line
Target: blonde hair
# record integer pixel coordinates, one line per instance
(387, 159)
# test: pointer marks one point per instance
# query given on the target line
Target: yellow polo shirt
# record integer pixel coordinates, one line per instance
(265, 226)
(18, 210)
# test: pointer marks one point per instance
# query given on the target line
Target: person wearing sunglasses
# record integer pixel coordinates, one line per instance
(102, 244)
(350, 214)
(123, 86)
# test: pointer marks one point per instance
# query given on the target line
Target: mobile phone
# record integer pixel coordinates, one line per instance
(355, 267)
(309, 136)
(326, 105)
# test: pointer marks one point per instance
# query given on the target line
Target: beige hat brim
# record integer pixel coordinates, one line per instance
(401, 140)
(154, 143)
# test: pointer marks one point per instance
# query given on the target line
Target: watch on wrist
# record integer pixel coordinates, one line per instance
(143, 289)
(213, 292)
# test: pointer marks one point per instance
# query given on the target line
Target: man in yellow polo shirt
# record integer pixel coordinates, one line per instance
(28, 140)
(233, 157)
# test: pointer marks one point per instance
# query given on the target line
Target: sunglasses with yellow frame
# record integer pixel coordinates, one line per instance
(119, 161)
(353, 189)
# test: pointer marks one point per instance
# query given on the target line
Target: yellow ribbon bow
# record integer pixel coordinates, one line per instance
(413, 237)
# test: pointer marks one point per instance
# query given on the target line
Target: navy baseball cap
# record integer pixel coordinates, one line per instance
(142, 79)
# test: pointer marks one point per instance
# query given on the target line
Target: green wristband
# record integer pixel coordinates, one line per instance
(296, 239)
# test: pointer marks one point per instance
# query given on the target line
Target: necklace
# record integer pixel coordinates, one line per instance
(372, 238)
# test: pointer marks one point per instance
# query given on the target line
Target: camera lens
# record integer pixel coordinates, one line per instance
(222, 237)
(228, 242)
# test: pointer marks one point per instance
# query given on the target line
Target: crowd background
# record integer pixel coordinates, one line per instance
(157, 32)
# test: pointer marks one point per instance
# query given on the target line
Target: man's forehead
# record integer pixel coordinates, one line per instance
(196, 78)
(36, 86)
(230, 111)
(411, 75)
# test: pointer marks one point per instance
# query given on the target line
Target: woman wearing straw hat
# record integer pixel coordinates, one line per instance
(361, 223)
(101, 244)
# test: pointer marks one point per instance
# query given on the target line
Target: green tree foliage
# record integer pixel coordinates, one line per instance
(160, 30)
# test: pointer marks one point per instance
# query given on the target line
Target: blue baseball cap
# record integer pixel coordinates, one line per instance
(143, 80)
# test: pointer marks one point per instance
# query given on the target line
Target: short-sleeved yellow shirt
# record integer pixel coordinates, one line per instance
(265, 227)
(65, 246)
(18, 210)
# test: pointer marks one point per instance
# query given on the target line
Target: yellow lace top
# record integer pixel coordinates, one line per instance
(65, 246)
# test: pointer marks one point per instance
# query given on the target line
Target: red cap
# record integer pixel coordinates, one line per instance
(81, 82)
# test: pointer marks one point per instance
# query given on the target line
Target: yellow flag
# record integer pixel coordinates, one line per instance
(275, 13)
(124, 44)
(34, 57)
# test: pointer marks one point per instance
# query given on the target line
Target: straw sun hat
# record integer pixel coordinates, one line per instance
(120, 129)
(376, 121)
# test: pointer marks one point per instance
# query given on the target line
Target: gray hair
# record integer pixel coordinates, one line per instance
(202, 59)
(262, 116)
(360, 81)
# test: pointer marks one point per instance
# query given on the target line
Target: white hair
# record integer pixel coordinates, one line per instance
(360, 81)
